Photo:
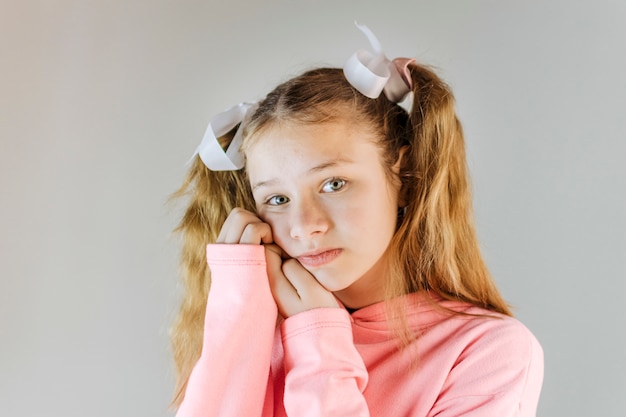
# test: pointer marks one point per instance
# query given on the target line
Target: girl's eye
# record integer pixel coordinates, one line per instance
(277, 200)
(334, 185)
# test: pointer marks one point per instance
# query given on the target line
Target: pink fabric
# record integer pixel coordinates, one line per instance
(402, 65)
(324, 362)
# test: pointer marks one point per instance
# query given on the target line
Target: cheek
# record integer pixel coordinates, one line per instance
(377, 207)
(280, 233)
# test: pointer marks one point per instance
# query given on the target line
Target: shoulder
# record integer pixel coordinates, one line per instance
(497, 349)
(484, 333)
(499, 333)
(487, 357)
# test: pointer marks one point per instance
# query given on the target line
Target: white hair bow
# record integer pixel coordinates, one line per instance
(373, 73)
(211, 152)
(370, 73)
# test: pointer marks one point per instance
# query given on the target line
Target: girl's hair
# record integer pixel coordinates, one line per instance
(435, 246)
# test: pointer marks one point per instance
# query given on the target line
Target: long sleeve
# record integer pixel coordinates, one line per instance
(325, 375)
(231, 376)
(499, 373)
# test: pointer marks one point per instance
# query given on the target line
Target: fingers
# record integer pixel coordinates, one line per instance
(244, 227)
(255, 233)
(282, 290)
(276, 250)
(309, 293)
(294, 288)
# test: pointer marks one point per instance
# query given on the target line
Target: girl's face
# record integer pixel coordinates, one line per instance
(330, 204)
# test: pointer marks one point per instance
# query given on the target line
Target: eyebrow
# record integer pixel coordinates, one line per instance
(317, 168)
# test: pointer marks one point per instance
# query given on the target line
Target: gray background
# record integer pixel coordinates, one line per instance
(103, 102)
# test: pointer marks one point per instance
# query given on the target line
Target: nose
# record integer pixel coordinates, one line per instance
(309, 219)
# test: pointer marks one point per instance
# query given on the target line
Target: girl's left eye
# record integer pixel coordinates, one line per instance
(333, 185)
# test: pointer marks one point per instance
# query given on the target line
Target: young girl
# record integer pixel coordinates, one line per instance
(345, 274)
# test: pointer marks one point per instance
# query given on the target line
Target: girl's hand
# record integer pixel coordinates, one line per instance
(244, 227)
(294, 288)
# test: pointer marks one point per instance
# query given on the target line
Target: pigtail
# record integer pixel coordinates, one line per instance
(211, 196)
(438, 247)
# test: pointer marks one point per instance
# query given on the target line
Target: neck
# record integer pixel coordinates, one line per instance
(367, 290)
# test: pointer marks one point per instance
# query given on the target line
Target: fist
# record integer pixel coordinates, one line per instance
(242, 226)
(294, 288)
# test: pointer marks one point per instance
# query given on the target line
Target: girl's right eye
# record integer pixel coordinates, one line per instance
(277, 200)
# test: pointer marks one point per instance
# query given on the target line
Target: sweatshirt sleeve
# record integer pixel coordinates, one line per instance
(499, 374)
(325, 375)
(231, 376)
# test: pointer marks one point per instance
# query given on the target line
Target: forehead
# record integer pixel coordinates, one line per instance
(297, 147)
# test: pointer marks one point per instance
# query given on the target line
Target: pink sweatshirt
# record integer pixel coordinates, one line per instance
(326, 362)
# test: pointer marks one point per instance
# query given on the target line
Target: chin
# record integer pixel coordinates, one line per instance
(329, 283)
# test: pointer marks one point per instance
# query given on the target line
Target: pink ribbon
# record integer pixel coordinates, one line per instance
(373, 73)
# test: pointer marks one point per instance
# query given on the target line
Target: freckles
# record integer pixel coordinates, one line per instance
(279, 230)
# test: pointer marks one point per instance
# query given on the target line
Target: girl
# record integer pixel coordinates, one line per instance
(345, 273)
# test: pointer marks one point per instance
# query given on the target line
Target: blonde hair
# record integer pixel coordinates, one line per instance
(435, 247)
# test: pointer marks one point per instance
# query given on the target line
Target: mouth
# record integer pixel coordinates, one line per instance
(319, 258)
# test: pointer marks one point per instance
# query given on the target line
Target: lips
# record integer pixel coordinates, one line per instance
(319, 258)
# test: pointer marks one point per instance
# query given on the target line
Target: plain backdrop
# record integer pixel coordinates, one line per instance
(103, 102)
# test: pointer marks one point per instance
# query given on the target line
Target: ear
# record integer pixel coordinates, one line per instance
(397, 169)
(398, 164)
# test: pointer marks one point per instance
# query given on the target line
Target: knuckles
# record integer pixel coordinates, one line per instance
(243, 226)
(253, 233)
(292, 266)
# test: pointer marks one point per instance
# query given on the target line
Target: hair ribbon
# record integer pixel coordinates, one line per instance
(211, 152)
(373, 73)
(370, 73)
